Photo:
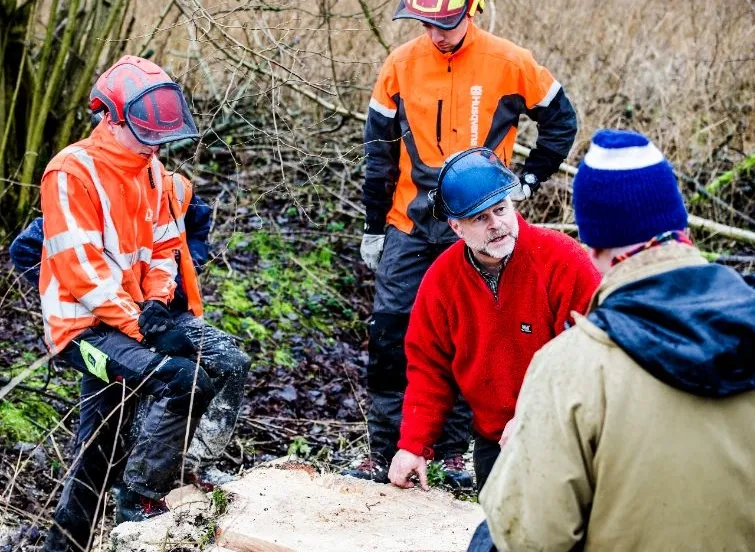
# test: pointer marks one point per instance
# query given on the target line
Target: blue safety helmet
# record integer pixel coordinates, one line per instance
(470, 182)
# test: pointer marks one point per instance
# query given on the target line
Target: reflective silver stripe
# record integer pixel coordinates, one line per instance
(165, 232)
(180, 191)
(144, 255)
(552, 91)
(116, 272)
(383, 110)
(73, 226)
(157, 178)
(71, 238)
(112, 242)
(53, 306)
(107, 290)
(181, 224)
(166, 265)
(178, 188)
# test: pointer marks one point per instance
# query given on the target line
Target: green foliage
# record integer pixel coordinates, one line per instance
(283, 357)
(436, 475)
(299, 447)
(26, 418)
(722, 181)
(44, 84)
(208, 535)
(219, 501)
(289, 294)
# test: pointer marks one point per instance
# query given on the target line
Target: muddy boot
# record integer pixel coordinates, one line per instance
(131, 506)
(370, 469)
(456, 474)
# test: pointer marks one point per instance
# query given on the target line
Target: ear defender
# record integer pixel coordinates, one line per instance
(475, 6)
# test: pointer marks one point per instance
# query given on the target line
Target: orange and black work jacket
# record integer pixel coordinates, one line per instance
(110, 240)
(427, 105)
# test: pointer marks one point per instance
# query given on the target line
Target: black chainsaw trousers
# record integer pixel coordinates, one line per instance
(117, 371)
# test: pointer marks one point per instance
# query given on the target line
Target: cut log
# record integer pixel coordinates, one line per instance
(244, 543)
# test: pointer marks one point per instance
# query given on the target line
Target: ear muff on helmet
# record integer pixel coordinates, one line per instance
(476, 6)
(435, 204)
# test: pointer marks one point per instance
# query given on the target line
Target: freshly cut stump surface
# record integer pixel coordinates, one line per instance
(291, 507)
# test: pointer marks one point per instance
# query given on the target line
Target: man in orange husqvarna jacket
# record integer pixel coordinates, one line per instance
(453, 88)
(107, 274)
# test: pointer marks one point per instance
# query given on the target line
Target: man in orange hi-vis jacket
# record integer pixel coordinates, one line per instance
(112, 247)
(453, 88)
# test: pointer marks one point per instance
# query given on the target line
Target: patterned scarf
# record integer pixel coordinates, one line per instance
(672, 235)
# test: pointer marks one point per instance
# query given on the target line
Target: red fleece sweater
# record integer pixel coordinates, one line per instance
(461, 337)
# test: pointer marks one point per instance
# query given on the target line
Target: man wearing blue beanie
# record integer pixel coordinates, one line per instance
(633, 429)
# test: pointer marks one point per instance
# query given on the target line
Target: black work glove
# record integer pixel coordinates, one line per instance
(173, 342)
(154, 319)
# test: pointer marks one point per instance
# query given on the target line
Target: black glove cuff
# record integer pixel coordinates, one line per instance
(542, 163)
(374, 226)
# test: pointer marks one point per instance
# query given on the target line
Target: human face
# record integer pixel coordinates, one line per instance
(491, 234)
(446, 41)
(126, 138)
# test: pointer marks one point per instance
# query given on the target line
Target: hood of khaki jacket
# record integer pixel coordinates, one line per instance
(688, 323)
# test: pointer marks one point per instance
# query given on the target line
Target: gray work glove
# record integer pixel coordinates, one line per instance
(371, 248)
(527, 185)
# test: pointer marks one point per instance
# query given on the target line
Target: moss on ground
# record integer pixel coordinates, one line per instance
(288, 295)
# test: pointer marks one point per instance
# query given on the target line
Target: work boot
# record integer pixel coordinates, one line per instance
(131, 506)
(457, 476)
(370, 469)
(206, 478)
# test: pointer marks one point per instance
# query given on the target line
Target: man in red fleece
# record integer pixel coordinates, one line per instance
(483, 309)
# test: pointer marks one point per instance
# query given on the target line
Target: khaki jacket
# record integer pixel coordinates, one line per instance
(608, 457)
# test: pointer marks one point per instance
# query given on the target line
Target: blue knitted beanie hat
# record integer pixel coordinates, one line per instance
(625, 192)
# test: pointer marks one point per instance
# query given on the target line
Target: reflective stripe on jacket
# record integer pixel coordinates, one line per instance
(179, 192)
(110, 240)
(427, 105)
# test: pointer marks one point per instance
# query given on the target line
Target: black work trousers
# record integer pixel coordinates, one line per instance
(219, 353)
(403, 264)
(117, 371)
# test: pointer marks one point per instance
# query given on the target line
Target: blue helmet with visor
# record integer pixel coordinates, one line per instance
(470, 182)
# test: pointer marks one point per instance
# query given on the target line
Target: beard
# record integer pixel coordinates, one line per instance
(495, 250)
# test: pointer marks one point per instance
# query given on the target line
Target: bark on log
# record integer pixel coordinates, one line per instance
(243, 543)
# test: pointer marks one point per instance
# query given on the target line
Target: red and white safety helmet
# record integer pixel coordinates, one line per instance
(141, 94)
(444, 14)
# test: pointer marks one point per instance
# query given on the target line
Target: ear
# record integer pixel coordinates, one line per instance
(456, 227)
(109, 122)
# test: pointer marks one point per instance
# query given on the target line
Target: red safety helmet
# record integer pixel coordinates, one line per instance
(444, 14)
(141, 94)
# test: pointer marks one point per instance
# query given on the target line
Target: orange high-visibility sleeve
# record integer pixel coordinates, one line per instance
(74, 250)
